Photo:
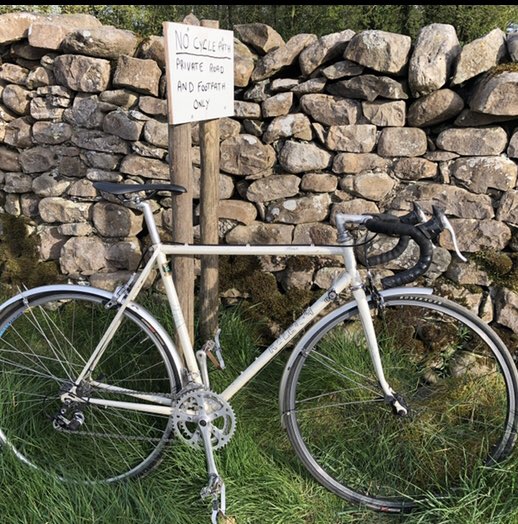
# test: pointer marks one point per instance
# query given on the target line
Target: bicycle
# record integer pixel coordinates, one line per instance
(391, 396)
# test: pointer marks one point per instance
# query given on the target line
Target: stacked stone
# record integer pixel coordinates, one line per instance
(347, 122)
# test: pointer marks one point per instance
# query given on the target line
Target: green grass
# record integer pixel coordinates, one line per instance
(265, 482)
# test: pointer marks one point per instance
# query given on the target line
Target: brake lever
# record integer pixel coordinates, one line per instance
(416, 216)
(441, 217)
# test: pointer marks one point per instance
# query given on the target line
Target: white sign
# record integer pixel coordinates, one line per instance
(200, 72)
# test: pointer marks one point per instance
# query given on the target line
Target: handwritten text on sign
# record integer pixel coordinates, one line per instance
(200, 72)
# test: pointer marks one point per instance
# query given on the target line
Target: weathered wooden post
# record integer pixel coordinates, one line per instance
(209, 217)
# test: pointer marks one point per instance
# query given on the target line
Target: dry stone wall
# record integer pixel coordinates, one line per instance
(347, 122)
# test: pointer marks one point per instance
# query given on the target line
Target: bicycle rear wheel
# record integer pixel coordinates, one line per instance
(45, 341)
(453, 373)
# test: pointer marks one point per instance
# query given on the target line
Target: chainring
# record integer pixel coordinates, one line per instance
(198, 404)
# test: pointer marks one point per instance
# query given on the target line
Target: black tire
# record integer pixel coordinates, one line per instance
(45, 341)
(452, 371)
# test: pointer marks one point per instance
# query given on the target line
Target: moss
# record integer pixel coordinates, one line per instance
(246, 275)
(510, 67)
(501, 267)
(19, 260)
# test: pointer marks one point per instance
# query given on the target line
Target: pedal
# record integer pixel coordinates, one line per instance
(212, 349)
(216, 490)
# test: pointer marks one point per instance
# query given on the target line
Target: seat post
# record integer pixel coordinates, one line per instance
(150, 222)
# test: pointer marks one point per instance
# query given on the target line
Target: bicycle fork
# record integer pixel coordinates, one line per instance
(391, 396)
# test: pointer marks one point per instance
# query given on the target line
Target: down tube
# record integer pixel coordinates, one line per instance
(268, 354)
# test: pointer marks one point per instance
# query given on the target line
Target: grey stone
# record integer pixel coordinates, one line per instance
(508, 208)
(29, 205)
(295, 125)
(17, 99)
(18, 133)
(282, 57)
(39, 77)
(48, 107)
(49, 32)
(81, 73)
(57, 209)
(402, 141)
(455, 201)
(261, 37)
(6, 115)
(436, 49)
(38, 159)
(9, 159)
(325, 276)
(512, 46)
(496, 95)
(468, 118)
(479, 56)
(383, 114)
(512, 150)
(105, 161)
(156, 133)
(137, 74)
(313, 85)
(299, 158)
(277, 105)
(153, 106)
(144, 167)
(314, 233)
(83, 256)
(99, 175)
(80, 229)
(12, 205)
(246, 109)
(478, 174)
(371, 185)
(358, 162)
(473, 141)
(323, 50)
(330, 110)
(258, 233)
(319, 182)
(152, 48)
(273, 187)
(440, 156)
(380, 50)
(125, 254)
(113, 220)
(51, 132)
(143, 149)
(243, 212)
(342, 69)
(414, 168)
(245, 155)
(369, 87)
(15, 26)
(477, 235)
(243, 64)
(279, 85)
(360, 138)
(253, 127)
(50, 185)
(71, 166)
(120, 124)
(17, 183)
(356, 206)
(506, 306)
(258, 92)
(120, 97)
(101, 42)
(435, 108)
(51, 242)
(98, 141)
(467, 273)
(82, 189)
(13, 74)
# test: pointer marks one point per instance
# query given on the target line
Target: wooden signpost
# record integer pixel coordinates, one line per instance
(200, 86)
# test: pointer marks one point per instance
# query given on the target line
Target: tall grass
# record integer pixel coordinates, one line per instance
(265, 482)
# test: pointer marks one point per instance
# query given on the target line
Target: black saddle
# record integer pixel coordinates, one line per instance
(122, 189)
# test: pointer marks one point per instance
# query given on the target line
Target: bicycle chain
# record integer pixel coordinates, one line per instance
(96, 434)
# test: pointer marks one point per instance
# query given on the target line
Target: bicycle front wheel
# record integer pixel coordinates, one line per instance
(45, 341)
(453, 373)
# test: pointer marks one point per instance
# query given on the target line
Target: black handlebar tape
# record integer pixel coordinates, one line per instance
(394, 228)
(393, 253)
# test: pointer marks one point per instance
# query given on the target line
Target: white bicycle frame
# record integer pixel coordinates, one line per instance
(350, 277)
